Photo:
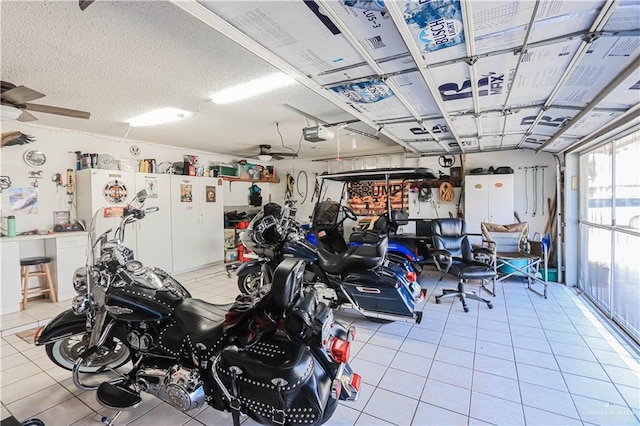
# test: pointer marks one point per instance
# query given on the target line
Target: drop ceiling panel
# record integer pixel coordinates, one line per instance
(625, 95)
(427, 147)
(415, 92)
(413, 131)
(295, 31)
(373, 29)
(372, 97)
(605, 59)
(454, 86)
(625, 17)
(593, 121)
(492, 123)
(539, 72)
(555, 19)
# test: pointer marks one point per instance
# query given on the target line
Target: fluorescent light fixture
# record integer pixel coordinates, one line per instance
(264, 157)
(159, 116)
(252, 88)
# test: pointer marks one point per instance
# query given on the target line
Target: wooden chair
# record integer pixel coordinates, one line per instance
(46, 288)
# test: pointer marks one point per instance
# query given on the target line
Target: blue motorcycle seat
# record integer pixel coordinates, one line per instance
(201, 321)
(356, 257)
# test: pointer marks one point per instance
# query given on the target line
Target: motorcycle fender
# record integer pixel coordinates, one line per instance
(246, 266)
(402, 250)
(64, 325)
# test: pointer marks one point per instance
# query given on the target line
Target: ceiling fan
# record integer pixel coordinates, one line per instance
(15, 101)
(265, 154)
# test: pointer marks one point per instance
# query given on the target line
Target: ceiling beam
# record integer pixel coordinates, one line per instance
(598, 24)
(217, 23)
(398, 19)
(630, 69)
(353, 40)
(523, 50)
(471, 60)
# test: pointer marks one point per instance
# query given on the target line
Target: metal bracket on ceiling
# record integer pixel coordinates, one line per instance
(507, 111)
(546, 107)
(591, 37)
(471, 60)
(520, 50)
(477, 114)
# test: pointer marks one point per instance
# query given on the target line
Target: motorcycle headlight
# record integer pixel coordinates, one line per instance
(80, 305)
(80, 280)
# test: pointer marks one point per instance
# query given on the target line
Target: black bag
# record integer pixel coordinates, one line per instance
(255, 196)
(504, 170)
(276, 381)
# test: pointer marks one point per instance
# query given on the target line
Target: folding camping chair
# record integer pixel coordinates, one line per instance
(515, 254)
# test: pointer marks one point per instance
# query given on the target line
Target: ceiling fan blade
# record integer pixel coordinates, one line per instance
(25, 116)
(58, 111)
(85, 4)
(21, 94)
(284, 154)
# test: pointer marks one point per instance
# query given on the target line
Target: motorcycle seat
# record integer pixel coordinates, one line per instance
(364, 237)
(356, 257)
(201, 321)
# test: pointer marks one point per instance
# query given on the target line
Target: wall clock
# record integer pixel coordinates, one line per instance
(35, 158)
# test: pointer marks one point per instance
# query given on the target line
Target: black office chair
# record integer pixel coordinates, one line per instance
(453, 255)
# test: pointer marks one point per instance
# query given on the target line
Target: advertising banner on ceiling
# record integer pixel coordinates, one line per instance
(436, 24)
(414, 131)
(369, 198)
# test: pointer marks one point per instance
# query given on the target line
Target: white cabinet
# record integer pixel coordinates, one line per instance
(488, 198)
(153, 236)
(197, 218)
(68, 253)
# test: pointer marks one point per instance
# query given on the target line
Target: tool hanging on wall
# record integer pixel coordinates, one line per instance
(534, 173)
(5, 182)
(316, 188)
(288, 193)
(526, 193)
(542, 190)
(446, 192)
(306, 185)
(424, 193)
(57, 179)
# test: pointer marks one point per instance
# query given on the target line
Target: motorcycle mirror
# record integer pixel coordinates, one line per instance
(141, 196)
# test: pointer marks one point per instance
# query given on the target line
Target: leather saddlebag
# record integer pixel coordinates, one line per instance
(276, 382)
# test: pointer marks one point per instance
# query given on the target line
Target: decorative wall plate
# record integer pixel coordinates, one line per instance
(35, 158)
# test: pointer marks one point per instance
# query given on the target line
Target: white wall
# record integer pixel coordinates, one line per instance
(513, 159)
(59, 146)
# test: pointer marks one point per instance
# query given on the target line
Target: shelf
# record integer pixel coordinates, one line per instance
(435, 183)
(237, 179)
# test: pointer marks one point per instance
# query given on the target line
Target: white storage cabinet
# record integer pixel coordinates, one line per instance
(488, 198)
(197, 231)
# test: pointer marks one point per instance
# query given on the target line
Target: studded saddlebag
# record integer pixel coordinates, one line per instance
(276, 382)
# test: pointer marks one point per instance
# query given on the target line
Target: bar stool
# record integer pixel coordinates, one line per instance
(46, 289)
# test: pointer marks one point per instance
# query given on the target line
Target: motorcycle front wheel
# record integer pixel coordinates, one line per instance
(65, 352)
(249, 281)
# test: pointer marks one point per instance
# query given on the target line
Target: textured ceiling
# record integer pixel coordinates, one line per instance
(120, 59)
(536, 74)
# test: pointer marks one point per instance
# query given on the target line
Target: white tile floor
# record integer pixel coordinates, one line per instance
(527, 361)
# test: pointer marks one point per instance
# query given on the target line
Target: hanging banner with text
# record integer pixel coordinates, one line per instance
(370, 198)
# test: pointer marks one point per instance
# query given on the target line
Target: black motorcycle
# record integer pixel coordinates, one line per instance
(361, 276)
(277, 355)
